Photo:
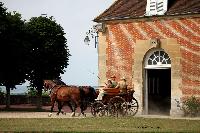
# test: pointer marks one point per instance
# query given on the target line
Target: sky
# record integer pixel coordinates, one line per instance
(76, 18)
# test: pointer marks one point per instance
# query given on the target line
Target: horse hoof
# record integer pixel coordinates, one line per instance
(63, 113)
(50, 114)
(73, 114)
(79, 114)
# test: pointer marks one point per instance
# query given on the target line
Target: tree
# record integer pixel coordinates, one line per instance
(49, 52)
(13, 51)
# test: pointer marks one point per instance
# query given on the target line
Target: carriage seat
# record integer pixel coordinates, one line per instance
(111, 91)
(114, 91)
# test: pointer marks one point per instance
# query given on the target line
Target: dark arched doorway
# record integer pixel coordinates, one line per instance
(157, 83)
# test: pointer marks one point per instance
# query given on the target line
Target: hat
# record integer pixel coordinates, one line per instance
(113, 76)
(109, 79)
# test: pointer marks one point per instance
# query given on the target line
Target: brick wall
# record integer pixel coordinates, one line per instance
(121, 39)
(124, 44)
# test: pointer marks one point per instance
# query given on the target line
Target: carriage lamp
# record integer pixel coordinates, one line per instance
(87, 40)
(93, 34)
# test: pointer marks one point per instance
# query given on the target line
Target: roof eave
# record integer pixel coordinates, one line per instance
(143, 17)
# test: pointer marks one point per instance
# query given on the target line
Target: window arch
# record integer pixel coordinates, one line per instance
(157, 59)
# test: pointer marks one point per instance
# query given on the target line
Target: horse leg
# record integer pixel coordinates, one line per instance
(52, 106)
(82, 111)
(73, 107)
(70, 106)
(64, 113)
(59, 107)
(83, 107)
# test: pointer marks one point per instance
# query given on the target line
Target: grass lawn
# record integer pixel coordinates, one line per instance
(106, 124)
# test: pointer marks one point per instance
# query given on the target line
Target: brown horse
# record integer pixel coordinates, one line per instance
(74, 96)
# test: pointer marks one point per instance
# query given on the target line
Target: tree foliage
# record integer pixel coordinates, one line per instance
(49, 52)
(13, 51)
(33, 50)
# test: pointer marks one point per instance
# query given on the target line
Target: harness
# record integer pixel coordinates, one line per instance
(54, 91)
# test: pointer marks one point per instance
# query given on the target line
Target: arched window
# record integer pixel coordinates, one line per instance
(158, 58)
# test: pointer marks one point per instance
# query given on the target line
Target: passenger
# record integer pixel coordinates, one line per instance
(109, 84)
(114, 83)
(122, 85)
(101, 90)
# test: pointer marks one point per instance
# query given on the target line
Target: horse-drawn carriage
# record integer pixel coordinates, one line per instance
(115, 103)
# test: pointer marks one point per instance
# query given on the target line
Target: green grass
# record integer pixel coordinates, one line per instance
(106, 124)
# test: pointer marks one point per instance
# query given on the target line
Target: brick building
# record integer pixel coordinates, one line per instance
(155, 44)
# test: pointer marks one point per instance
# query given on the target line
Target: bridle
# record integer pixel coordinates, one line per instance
(48, 87)
(52, 88)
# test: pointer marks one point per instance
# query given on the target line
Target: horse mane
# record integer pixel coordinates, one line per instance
(58, 82)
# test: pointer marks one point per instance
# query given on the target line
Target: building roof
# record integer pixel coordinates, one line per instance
(130, 9)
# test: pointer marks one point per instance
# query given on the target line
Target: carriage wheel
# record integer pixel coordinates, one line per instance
(98, 109)
(132, 107)
(117, 106)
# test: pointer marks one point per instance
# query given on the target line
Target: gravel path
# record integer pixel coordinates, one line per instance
(26, 111)
(14, 114)
(17, 112)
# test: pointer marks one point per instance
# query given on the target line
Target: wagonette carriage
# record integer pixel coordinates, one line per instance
(115, 103)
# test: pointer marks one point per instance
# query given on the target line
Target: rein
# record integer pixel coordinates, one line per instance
(59, 86)
(52, 88)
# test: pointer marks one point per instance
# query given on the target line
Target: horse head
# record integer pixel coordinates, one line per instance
(49, 84)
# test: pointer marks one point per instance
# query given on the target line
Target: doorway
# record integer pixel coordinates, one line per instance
(159, 91)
